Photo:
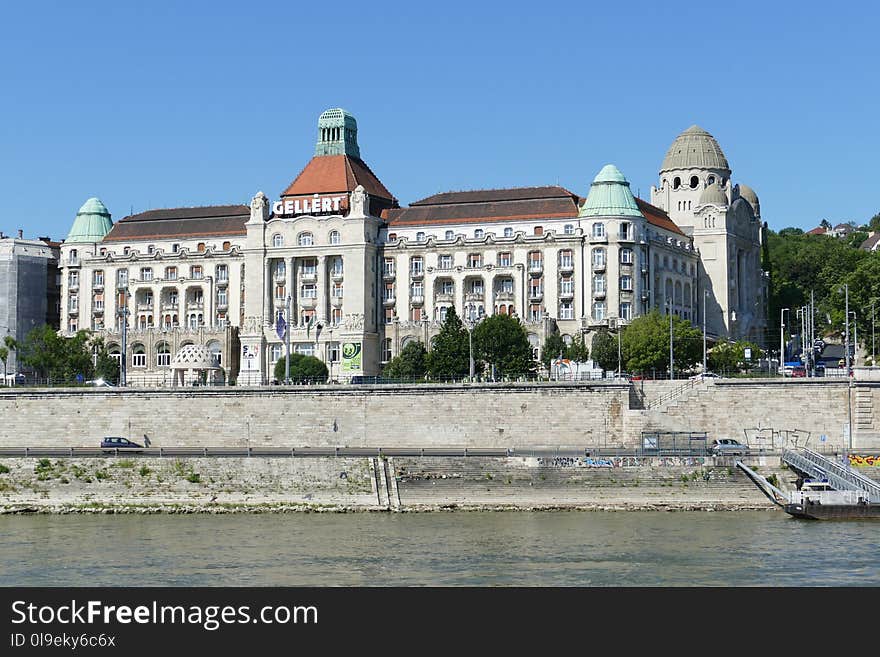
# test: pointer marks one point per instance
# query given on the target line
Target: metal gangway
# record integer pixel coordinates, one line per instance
(839, 476)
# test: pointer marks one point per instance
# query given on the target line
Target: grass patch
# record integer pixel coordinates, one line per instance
(101, 475)
(124, 463)
(144, 471)
(193, 478)
(4, 469)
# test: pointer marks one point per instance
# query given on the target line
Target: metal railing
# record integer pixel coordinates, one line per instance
(674, 394)
(839, 476)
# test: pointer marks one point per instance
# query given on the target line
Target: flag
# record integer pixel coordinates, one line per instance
(281, 327)
(309, 321)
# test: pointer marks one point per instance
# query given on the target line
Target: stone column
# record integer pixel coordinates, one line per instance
(268, 284)
(290, 286)
(321, 285)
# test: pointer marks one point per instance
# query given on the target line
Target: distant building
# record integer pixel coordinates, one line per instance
(29, 288)
(872, 243)
(819, 230)
(841, 230)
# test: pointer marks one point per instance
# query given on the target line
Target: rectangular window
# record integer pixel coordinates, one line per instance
(475, 260)
(195, 271)
(276, 351)
(336, 291)
(536, 261)
(626, 283)
(536, 312)
(626, 311)
(598, 230)
(389, 315)
(222, 273)
(333, 352)
(626, 256)
(221, 297)
(598, 257)
(566, 285)
(505, 285)
(99, 302)
(336, 316)
(599, 284)
(98, 278)
(416, 266)
(416, 290)
(139, 360)
(445, 262)
(599, 311)
(310, 266)
(566, 259)
(388, 292)
(73, 302)
(447, 287)
(566, 310)
(415, 313)
(336, 266)
(625, 230)
(388, 267)
(73, 279)
(536, 289)
(476, 287)
(309, 291)
(304, 348)
(504, 259)
(146, 273)
(122, 277)
(280, 292)
(170, 273)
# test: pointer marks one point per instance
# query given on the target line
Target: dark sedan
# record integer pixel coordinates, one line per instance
(115, 442)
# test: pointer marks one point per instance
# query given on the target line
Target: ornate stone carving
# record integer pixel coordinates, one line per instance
(360, 202)
(253, 325)
(259, 207)
(354, 321)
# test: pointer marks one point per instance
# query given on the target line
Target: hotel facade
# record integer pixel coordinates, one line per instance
(355, 276)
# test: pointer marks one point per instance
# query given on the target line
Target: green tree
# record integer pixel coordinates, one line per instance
(58, 358)
(553, 348)
(410, 363)
(855, 239)
(604, 349)
(106, 367)
(450, 352)
(728, 356)
(874, 223)
(502, 341)
(578, 349)
(302, 367)
(646, 343)
(825, 224)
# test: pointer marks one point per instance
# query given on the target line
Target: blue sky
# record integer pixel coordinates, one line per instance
(167, 104)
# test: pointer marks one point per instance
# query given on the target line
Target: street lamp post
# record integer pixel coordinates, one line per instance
(705, 296)
(782, 340)
(287, 344)
(123, 313)
(671, 360)
(470, 323)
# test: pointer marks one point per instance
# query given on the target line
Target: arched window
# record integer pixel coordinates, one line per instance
(676, 182)
(163, 355)
(278, 239)
(335, 237)
(305, 239)
(138, 355)
(695, 181)
(598, 257)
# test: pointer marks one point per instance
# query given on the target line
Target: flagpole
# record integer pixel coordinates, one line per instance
(287, 341)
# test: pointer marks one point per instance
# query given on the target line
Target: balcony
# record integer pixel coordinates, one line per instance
(336, 274)
(626, 237)
(73, 309)
(417, 299)
(388, 274)
(504, 296)
(280, 276)
(308, 302)
(336, 301)
(308, 275)
(195, 305)
(536, 268)
(222, 305)
(646, 294)
(567, 293)
(598, 239)
(599, 294)
(473, 296)
(169, 306)
(598, 266)
(445, 297)
(98, 285)
(416, 273)
(388, 300)
(73, 285)
(536, 294)
(145, 307)
(222, 282)
(566, 266)
(98, 310)
(644, 269)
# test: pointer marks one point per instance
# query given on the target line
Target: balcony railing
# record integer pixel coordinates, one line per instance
(566, 265)
(416, 273)
(473, 296)
(536, 267)
(417, 299)
(388, 273)
(504, 296)
(336, 274)
(388, 299)
(308, 275)
(445, 297)
(536, 293)
(195, 305)
(566, 293)
(168, 305)
(598, 239)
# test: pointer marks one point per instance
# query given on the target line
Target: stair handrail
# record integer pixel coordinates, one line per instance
(673, 394)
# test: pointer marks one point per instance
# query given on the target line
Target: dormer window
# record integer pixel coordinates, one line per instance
(420, 236)
(508, 232)
(478, 234)
(450, 235)
(200, 247)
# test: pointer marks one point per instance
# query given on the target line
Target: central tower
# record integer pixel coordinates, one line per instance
(337, 134)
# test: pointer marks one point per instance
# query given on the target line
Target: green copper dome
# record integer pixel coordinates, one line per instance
(337, 133)
(610, 196)
(92, 222)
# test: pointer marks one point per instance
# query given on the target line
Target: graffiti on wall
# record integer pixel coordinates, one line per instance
(864, 461)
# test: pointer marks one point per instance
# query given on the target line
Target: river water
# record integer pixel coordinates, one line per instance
(443, 549)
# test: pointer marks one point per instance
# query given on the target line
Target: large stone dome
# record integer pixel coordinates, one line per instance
(749, 195)
(695, 149)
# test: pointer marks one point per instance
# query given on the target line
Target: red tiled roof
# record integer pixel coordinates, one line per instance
(657, 217)
(816, 231)
(329, 174)
(487, 206)
(181, 222)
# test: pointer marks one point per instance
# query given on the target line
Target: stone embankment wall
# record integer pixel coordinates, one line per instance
(513, 415)
(223, 484)
(767, 413)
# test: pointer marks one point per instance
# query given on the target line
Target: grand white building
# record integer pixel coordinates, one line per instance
(355, 276)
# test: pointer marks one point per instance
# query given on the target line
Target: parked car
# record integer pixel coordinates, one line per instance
(728, 447)
(798, 371)
(705, 375)
(117, 442)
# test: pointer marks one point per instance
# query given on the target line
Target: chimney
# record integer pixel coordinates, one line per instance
(20, 234)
